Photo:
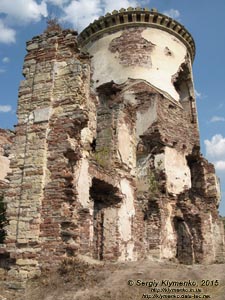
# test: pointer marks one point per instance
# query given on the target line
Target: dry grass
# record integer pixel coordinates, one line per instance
(77, 279)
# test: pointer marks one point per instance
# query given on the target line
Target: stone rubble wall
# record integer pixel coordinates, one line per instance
(112, 172)
(52, 107)
(6, 140)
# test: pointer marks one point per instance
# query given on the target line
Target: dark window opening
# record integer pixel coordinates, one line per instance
(93, 145)
(106, 202)
(152, 218)
(197, 173)
(185, 252)
(146, 18)
(155, 18)
(113, 21)
(121, 19)
(129, 18)
(182, 82)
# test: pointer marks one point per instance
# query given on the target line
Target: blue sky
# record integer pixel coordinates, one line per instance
(20, 20)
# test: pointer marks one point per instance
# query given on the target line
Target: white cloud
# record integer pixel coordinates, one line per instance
(215, 149)
(19, 12)
(23, 11)
(6, 60)
(215, 152)
(80, 13)
(7, 35)
(198, 95)
(109, 6)
(217, 119)
(172, 13)
(58, 2)
(220, 165)
(5, 108)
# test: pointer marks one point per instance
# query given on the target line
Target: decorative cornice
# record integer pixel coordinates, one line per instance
(131, 17)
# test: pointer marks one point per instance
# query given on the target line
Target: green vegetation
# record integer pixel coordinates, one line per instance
(153, 183)
(102, 156)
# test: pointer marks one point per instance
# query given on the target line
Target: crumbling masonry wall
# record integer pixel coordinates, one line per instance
(52, 112)
(6, 139)
(106, 160)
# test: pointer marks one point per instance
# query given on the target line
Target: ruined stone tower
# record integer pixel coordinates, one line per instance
(106, 160)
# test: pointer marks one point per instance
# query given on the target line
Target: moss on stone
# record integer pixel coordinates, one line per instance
(153, 183)
(102, 156)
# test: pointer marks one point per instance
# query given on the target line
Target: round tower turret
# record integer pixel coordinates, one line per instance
(141, 44)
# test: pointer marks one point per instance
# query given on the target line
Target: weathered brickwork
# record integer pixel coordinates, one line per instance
(132, 49)
(53, 106)
(6, 140)
(106, 160)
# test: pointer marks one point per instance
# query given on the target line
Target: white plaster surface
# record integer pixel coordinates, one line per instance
(168, 249)
(126, 145)
(110, 227)
(86, 136)
(107, 67)
(41, 114)
(82, 181)
(159, 161)
(218, 189)
(218, 239)
(145, 118)
(129, 97)
(210, 238)
(4, 167)
(127, 252)
(177, 171)
(125, 214)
